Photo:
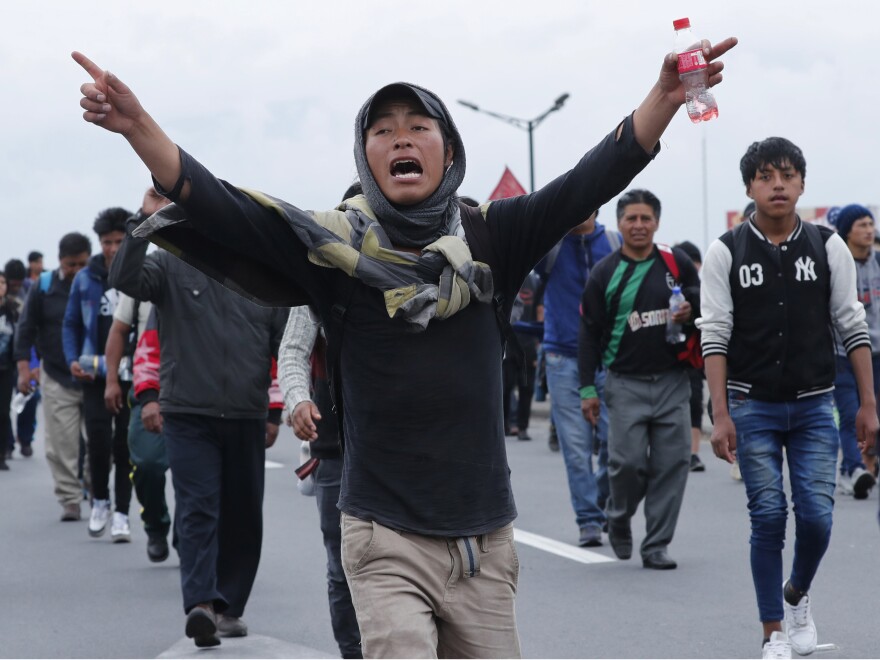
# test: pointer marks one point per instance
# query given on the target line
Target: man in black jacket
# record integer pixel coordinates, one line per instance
(40, 325)
(216, 358)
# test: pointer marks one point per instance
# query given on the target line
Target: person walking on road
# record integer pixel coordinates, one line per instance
(86, 326)
(215, 371)
(773, 288)
(625, 311)
(40, 327)
(855, 224)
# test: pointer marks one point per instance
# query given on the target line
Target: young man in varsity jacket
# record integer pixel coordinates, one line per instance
(625, 307)
(772, 289)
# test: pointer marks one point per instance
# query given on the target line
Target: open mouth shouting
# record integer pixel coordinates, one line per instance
(406, 168)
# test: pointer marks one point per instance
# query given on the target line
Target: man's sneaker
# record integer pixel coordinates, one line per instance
(799, 624)
(71, 512)
(697, 464)
(524, 435)
(3, 465)
(201, 627)
(157, 547)
(590, 536)
(119, 529)
(777, 646)
(844, 484)
(734, 471)
(26, 450)
(100, 516)
(862, 483)
(231, 626)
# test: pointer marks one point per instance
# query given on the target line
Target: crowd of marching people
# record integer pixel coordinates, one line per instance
(404, 333)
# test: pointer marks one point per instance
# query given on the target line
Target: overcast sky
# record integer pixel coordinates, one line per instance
(265, 93)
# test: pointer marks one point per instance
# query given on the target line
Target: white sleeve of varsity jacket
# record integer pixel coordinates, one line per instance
(294, 367)
(847, 313)
(716, 301)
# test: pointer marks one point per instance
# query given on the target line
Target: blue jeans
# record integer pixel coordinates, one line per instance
(846, 396)
(589, 490)
(806, 430)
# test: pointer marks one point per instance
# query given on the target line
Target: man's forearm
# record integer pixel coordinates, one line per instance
(716, 377)
(113, 349)
(860, 358)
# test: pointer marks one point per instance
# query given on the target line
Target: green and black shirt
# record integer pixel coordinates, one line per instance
(624, 310)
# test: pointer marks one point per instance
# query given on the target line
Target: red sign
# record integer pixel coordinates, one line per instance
(507, 187)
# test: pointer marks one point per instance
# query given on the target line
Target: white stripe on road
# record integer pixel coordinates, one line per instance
(559, 548)
(272, 464)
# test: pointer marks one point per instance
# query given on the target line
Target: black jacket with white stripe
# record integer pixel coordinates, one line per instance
(770, 309)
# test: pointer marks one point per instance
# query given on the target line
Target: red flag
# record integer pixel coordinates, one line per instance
(507, 187)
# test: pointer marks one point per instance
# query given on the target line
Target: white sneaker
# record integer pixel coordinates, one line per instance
(777, 647)
(734, 471)
(799, 625)
(844, 484)
(862, 483)
(119, 529)
(100, 516)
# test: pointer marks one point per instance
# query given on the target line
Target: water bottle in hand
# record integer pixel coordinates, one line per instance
(93, 365)
(674, 335)
(19, 401)
(693, 73)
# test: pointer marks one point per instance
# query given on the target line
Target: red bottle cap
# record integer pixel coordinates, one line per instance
(681, 23)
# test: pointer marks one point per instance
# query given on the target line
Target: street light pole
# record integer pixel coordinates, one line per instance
(528, 125)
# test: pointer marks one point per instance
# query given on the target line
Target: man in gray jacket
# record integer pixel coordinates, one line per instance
(216, 359)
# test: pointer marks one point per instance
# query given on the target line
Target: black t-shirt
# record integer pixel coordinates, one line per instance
(424, 439)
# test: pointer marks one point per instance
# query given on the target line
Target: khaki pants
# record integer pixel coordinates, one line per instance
(62, 409)
(426, 597)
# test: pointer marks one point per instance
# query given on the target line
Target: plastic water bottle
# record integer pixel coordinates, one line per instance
(125, 369)
(19, 401)
(694, 75)
(93, 365)
(674, 335)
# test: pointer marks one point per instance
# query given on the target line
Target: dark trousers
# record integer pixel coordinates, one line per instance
(149, 462)
(108, 443)
(8, 378)
(524, 381)
(27, 420)
(328, 476)
(218, 472)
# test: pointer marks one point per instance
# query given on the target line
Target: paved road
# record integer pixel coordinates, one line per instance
(63, 594)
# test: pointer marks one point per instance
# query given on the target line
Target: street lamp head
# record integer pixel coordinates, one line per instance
(561, 101)
(468, 104)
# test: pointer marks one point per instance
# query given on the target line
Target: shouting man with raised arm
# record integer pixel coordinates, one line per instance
(413, 289)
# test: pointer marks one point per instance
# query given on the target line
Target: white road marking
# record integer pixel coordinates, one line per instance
(827, 647)
(272, 464)
(559, 548)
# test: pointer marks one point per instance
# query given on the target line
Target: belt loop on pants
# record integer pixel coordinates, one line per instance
(469, 549)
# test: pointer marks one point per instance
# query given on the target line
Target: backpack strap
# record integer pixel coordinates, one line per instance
(669, 259)
(334, 327)
(477, 236)
(550, 259)
(613, 240)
